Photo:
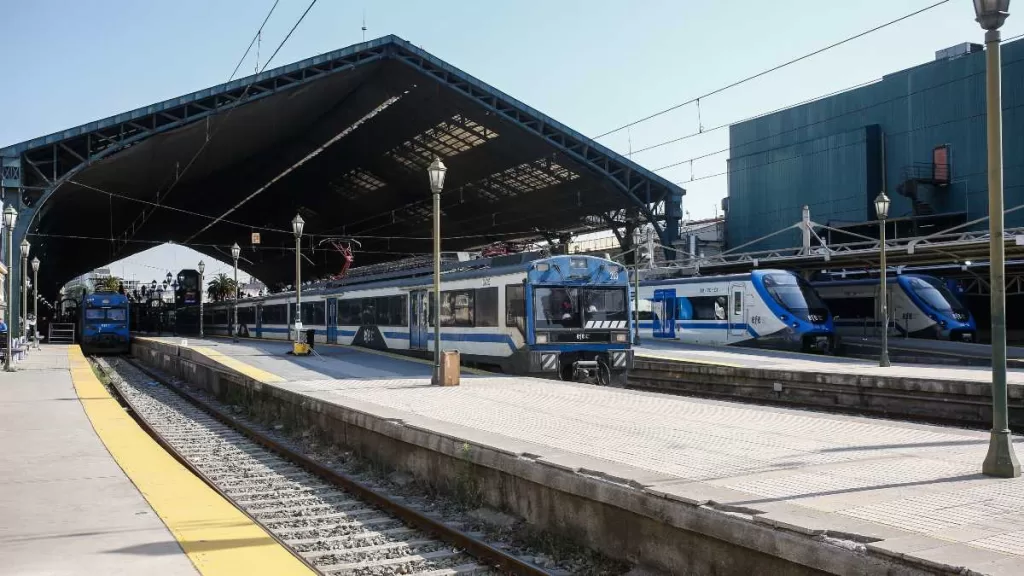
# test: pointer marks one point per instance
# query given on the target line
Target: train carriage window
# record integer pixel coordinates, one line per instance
(246, 315)
(457, 308)
(220, 316)
(399, 310)
(349, 312)
(702, 308)
(737, 303)
(852, 308)
(275, 314)
(515, 307)
(487, 307)
(313, 313)
(291, 314)
(368, 315)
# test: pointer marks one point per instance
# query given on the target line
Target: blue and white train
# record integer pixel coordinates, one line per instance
(920, 306)
(562, 316)
(763, 308)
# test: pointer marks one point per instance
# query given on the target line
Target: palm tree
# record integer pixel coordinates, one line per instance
(108, 284)
(220, 287)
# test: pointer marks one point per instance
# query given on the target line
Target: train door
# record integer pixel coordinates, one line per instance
(332, 320)
(259, 321)
(663, 310)
(737, 312)
(418, 320)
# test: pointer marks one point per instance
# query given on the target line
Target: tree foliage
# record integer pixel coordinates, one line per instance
(220, 287)
(108, 284)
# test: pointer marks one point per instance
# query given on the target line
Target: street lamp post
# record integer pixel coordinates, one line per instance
(235, 252)
(1000, 460)
(160, 309)
(882, 210)
(436, 171)
(35, 299)
(202, 291)
(25, 247)
(297, 224)
(10, 217)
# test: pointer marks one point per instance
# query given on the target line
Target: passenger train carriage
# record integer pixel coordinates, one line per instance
(920, 307)
(765, 308)
(562, 316)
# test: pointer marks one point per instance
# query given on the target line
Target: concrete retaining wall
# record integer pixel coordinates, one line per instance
(626, 521)
(943, 401)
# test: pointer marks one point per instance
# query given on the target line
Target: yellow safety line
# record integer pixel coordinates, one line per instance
(218, 538)
(257, 374)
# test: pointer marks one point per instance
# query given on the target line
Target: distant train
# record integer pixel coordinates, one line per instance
(919, 307)
(563, 316)
(103, 323)
(764, 308)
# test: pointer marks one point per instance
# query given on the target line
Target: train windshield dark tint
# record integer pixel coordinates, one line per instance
(936, 295)
(95, 314)
(556, 307)
(795, 295)
(603, 304)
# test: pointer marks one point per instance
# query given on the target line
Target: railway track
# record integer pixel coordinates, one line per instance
(333, 523)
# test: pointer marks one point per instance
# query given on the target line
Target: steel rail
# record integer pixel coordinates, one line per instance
(472, 546)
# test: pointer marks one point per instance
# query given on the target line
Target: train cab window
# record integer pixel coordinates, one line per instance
(95, 314)
(486, 307)
(557, 307)
(116, 314)
(515, 307)
(605, 304)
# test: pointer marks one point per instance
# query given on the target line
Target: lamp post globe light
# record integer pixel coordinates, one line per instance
(23, 317)
(202, 295)
(35, 299)
(436, 172)
(10, 218)
(882, 211)
(235, 252)
(297, 224)
(1000, 460)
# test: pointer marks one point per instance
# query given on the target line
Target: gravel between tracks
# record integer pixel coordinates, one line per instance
(315, 530)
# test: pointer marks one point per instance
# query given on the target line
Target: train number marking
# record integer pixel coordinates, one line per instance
(756, 320)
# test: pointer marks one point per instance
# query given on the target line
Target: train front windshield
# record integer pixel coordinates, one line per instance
(105, 315)
(796, 295)
(936, 295)
(573, 307)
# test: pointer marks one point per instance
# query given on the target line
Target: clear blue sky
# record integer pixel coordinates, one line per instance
(592, 65)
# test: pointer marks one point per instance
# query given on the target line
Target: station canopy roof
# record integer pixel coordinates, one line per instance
(344, 139)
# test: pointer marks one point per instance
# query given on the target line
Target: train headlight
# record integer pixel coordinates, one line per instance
(542, 339)
(621, 337)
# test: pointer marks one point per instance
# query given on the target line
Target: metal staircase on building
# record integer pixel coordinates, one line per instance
(917, 177)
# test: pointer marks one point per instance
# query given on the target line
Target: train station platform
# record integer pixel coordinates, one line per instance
(687, 485)
(936, 393)
(83, 490)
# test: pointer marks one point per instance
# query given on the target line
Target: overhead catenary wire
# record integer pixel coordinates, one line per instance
(770, 70)
(223, 123)
(255, 37)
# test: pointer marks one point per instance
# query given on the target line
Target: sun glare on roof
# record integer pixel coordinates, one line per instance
(355, 183)
(522, 179)
(447, 139)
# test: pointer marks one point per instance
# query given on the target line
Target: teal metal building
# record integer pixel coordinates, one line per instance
(918, 134)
